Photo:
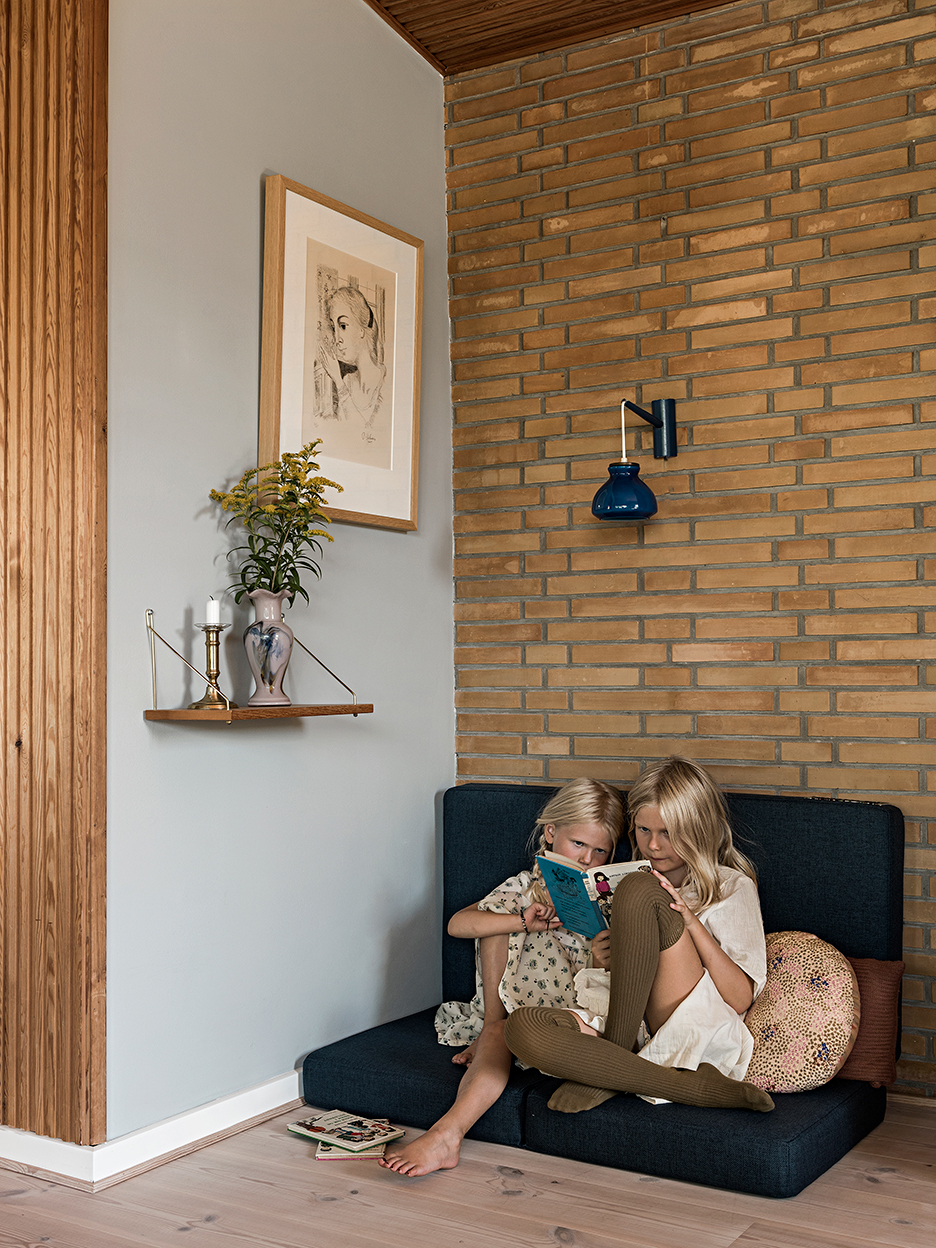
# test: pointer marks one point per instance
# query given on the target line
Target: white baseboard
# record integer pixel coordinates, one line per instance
(96, 1166)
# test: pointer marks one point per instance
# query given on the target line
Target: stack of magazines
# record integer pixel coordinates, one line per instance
(346, 1135)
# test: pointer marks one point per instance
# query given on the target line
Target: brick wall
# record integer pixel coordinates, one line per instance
(736, 210)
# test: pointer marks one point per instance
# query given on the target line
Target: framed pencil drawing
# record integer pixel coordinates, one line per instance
(340, 353)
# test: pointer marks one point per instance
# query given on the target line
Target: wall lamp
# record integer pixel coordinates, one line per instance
(624, 496)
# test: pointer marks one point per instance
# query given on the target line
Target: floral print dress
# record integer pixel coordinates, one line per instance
(541, 967)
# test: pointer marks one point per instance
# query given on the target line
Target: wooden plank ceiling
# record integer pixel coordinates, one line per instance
(459, 35)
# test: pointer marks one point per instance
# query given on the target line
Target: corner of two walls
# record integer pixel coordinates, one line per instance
(735, 210)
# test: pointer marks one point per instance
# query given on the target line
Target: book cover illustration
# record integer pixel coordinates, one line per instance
(331, 1152)
(349, 1132)
(582, 898)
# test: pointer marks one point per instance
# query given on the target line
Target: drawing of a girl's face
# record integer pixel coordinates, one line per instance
(349, 334)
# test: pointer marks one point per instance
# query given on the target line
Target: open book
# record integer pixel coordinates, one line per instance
(579, 896)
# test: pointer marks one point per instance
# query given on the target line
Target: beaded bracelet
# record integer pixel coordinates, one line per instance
(523, 921)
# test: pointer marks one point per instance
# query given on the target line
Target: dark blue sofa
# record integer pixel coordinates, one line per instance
(829, 867)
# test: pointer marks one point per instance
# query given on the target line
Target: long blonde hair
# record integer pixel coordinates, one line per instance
(696, 820)
(580, 801)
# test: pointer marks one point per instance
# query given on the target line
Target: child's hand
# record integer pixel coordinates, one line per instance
(677, 903)
(540, 918)
(601, 950)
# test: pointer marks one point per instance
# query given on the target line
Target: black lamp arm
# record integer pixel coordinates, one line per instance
(663, 419)
(648, 416)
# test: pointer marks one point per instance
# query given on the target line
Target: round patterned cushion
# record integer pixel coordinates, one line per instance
(805, 1021)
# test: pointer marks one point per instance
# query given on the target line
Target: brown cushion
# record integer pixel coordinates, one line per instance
(873, 1057)
(805, 1020)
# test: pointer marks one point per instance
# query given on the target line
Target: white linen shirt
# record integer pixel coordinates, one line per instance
(703, 1027)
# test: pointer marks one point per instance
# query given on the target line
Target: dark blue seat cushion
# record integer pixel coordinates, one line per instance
(775, 1154)
(400, 1071)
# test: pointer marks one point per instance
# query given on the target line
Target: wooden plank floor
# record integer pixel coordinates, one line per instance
(263, 1189)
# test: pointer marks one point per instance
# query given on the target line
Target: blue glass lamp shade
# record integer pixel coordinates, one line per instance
(624, 496)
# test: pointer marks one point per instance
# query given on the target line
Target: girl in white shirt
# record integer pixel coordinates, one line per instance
(686, 948)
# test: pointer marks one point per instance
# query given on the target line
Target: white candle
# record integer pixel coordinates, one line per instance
(212, 612)
(623, 434)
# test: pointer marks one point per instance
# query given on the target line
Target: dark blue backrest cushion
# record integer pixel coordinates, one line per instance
(834, 868)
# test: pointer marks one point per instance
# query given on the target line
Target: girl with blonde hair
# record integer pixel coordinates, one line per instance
(523, 957)
(687, 958)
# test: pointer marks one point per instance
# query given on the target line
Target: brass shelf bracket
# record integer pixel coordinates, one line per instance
(210, 678)
(327, 669)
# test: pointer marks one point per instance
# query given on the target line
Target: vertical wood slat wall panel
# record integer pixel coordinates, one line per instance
(53, 76)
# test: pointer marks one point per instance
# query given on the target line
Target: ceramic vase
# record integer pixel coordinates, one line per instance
(268, 642)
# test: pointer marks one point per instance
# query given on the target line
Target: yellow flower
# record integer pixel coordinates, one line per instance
(278, 503)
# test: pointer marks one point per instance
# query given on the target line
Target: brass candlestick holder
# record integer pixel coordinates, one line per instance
(214, 699)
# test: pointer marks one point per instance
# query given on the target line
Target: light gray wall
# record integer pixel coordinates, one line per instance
(272, 886)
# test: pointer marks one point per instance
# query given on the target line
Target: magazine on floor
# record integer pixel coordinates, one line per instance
(349, 1132)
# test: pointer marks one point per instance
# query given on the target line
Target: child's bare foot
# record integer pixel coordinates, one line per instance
(436, 1150)
(466, 1056)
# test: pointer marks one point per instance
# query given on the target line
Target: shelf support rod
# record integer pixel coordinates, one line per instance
(330, 672)
(152, 645)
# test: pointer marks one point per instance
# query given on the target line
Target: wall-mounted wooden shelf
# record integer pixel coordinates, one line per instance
(239, 713)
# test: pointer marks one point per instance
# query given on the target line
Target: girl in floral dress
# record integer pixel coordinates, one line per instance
(524, 957)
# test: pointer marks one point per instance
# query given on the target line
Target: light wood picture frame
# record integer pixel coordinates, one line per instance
(340, 351)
